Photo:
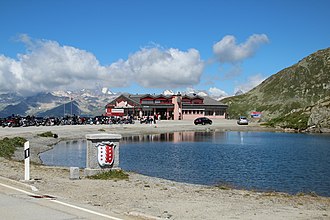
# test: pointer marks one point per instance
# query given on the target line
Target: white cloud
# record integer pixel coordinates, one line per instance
(252, 82)
(47, 66)
(171, 68)
(10, 71)
(228, 51)
(158, 68)
(216, 92)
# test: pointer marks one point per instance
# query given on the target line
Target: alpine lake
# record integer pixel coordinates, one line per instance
(262, 161)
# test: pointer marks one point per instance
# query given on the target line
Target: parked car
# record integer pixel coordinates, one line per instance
(202, 121)
(242, 120)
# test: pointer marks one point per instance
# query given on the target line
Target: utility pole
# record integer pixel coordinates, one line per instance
(71, 104)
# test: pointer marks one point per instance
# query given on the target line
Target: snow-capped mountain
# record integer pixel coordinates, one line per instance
(56, 103)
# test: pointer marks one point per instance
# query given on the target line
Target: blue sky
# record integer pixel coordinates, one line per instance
(148, 46)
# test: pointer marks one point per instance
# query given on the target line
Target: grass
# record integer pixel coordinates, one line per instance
(111, 175)
(296, 120)
(312, 194)
(48, 134)
(224, 186)
(9, 145)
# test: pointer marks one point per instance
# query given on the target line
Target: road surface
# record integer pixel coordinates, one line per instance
(21, 203)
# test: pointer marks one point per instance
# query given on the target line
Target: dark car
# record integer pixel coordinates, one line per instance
(202, 121)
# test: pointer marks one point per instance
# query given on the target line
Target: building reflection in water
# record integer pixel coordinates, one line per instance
(175, 137)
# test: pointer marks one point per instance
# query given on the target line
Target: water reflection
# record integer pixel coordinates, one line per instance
(66, 153)
(176, 137)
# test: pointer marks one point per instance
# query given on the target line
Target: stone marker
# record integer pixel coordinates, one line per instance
(74, 173)
(102, 153)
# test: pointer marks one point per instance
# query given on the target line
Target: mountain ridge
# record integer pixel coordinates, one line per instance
(56, 103)
(287, 98)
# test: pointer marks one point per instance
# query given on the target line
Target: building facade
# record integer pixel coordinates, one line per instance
(167, 107)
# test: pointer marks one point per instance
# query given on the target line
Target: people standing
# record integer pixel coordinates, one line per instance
(155, 118)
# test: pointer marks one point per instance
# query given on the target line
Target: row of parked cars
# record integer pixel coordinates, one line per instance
(242, 120)
(18, 121)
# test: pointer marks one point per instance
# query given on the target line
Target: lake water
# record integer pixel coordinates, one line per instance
(251, 160)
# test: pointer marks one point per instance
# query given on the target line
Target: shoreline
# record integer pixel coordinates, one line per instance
(78, 132)
(153, 197)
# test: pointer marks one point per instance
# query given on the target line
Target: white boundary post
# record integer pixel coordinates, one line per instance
(27, 161)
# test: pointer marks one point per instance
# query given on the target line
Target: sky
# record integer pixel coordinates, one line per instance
(147, 46)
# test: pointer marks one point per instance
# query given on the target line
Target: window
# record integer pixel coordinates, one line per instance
(211, 112)
(219, 112)
(185, 100)
(208, 112)
(147, 101)
(197, 101)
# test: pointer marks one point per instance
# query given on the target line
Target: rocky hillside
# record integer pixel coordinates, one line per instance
(297, 97)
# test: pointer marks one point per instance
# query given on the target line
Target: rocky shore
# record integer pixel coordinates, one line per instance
(143, 197)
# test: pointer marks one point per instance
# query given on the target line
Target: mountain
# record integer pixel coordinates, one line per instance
(70, 108)
(28, 105)
(239, 92)
(296, 97)
(9, 98)
(56, 103)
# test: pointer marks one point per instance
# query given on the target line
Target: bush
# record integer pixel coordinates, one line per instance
(48, 134)
(112, 174)
(9, 145)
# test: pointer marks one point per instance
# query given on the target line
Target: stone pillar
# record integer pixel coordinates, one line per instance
(74, 173)
(102, 153)
(177, 111)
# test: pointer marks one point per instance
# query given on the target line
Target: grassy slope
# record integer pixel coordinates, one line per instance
(285, 97)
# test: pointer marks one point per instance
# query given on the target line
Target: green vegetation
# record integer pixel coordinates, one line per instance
(47, 134)
(223, 187)
(286, 98)
(111, 175)
(9, 145)
(296, 120)
(312, 194)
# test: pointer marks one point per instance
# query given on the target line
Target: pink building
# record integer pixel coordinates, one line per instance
(170, 107)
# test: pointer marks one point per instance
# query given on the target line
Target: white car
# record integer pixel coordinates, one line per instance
(242, 121)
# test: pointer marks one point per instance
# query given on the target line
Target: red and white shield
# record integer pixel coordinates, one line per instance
(105, 153)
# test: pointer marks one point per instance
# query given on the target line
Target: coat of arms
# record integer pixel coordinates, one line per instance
(105, 153)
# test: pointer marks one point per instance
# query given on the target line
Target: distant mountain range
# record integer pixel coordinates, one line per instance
(296, 97)
(59, 103)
